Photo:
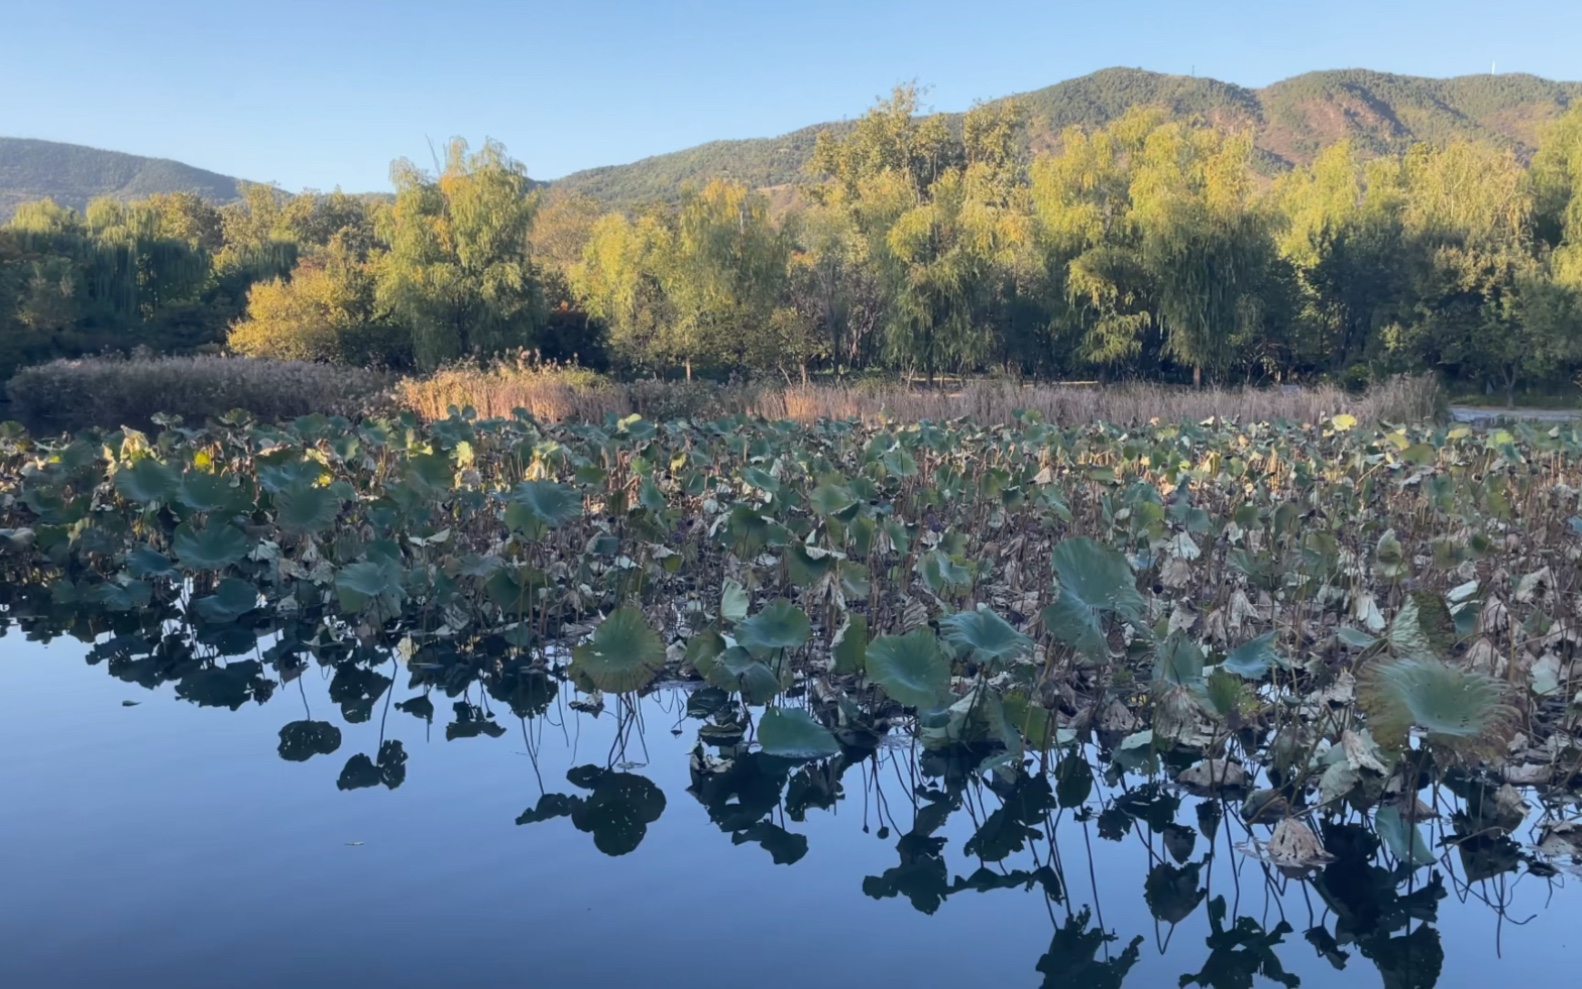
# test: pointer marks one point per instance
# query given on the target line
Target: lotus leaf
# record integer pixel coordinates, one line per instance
(624, 654)
(303, 510)
(214, 547)
(1094, 581)
(991, 638)
(791, 733)
(780, 625)
(147, 482)
(910, 668)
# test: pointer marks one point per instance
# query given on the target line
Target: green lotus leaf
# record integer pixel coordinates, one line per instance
(302, 740)
(850, 647)
(214, 547)
(739, 670)
(202, 491)
(1094, 581)
(624, 654)
(940, 572)
(275, 478)
(542, 502)
(831, 500)
(1178, 662)
(1252, 660)
(780, 625)
(703, 650)
(910, 668)
(791, 733)
(991, 638)
(147, 482)
(301, 510)
(1459, 709)
(371, 586)
(232, 599)
(431, 473)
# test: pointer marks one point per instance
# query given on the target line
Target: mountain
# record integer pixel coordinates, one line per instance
(72, 174)
(1292, 119)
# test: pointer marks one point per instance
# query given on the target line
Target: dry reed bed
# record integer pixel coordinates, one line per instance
(73, 394)
(553, 397)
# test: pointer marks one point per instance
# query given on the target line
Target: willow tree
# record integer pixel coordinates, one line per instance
(458, 273)
(1097, 287)
(619, 281)
(1468, 216)
(1206, 244)
(1341, 232)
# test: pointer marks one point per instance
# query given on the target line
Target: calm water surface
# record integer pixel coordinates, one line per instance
(170, 844)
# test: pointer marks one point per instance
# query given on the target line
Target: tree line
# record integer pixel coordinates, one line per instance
(924, 245)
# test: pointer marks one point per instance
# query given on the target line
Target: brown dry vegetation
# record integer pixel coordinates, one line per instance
(70, 395)
(555, 395)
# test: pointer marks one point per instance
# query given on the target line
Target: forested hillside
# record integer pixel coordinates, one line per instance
(73, 175)
(1291, 121)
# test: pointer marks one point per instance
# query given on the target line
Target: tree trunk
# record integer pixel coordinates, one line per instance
(1197, 377)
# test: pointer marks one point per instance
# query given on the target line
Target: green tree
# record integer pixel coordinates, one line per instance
(459, 272)
(327, 310)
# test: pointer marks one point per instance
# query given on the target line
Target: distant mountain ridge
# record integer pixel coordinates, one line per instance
(72, 174)
(1293, 120)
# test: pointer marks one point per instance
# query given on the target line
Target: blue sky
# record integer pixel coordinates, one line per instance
(326, 93)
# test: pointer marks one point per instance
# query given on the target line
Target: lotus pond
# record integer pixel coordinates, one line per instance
(648, 703)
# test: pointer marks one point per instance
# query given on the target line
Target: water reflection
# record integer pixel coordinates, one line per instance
(1031, 832)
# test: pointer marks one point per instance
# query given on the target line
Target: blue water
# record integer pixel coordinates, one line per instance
(165, 844)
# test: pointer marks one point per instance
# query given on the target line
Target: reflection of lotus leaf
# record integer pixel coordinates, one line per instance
(361, 772)
(301, 740)
(616, 811)
(222, 686)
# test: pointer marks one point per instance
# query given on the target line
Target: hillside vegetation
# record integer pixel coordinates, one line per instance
(1293, 120)
(73, 175)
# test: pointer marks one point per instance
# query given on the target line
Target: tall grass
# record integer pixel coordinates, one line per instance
(989, 402)
(557, 393)
(67, 395)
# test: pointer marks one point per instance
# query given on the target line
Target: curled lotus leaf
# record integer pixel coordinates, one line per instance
(990, 637)
(1095, 581)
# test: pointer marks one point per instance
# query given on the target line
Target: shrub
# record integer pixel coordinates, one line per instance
(74, 394)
